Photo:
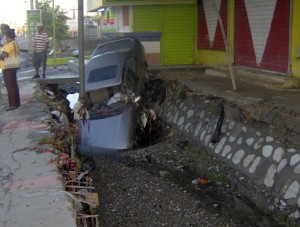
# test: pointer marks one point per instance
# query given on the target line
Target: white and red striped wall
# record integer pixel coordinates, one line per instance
(261, 31)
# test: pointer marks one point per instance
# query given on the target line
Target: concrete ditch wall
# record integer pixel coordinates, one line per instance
(264, 153)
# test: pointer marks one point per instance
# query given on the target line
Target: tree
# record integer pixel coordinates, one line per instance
(61, 28)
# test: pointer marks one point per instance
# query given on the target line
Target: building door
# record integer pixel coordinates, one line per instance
(176, 24)
(177, 41)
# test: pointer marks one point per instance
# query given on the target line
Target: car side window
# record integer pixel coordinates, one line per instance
(131, 77)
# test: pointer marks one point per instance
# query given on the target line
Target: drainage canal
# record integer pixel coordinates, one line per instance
(164, 179)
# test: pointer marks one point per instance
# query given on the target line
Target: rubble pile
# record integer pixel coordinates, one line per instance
(77, 181)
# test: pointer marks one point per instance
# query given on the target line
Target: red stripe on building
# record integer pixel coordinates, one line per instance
(276, 52)
(243, 46)
(203, 37)
(218, 41)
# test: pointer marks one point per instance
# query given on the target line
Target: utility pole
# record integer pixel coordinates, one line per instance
(37, 4)
(73, 9)
(81, 51)
(54, 33)
(31, 4)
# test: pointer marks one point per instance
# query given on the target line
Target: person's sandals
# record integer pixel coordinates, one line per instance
(12, 108)
(36, 77)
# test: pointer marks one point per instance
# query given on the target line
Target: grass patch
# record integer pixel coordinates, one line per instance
(63, 61)
(206, 161)
(285, 220)
(216, 177)
(56, 143)
(178, 91)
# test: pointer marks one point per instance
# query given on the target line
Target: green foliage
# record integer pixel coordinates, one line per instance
(285, 219)
(178, 90)
(60, 20)
(215, 176)
(56, 143)
(63, 61)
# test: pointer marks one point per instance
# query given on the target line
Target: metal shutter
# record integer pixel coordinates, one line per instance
(210, 34)
(146, 18)
(177, 43)
(262, 34)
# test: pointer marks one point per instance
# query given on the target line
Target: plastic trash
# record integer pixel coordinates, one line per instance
(116, 98)
(200, 181)
(81, 175)
(88, 166)
(144, 119)
(80, 112)
(83, 193)
(75, 53)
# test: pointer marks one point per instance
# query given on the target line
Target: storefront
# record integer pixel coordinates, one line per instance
(174, 20)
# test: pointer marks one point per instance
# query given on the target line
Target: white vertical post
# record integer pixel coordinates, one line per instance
(226, 47)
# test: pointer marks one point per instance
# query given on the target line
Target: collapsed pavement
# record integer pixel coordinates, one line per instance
(32, 192)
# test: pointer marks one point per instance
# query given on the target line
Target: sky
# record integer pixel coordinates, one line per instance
(13, 12)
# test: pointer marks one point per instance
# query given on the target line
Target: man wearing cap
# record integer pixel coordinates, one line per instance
(40, 48)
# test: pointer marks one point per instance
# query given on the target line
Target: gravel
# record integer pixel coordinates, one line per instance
(153, 187)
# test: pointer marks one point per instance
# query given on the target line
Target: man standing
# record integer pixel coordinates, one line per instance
(40, 48)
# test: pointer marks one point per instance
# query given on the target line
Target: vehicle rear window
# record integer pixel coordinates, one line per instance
(104, 73)
(121, 45)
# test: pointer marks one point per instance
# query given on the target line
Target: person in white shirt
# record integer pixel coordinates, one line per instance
(40, 48)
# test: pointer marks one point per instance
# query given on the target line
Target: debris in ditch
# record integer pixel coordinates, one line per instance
(147, 158)
(80, 112)
(56, 115)
(156, 90)
(79, 184)
(88, 166)
(152, 114)
(180, 168)
(66, 164)
(200, 181)
(143, 120)
(216, 136)
(74, 204)
(81, 175)
(178, 91)
(164, 173)
(50, 94)
(146, 118)
(118, 97)
(88, 220)
(183, 144)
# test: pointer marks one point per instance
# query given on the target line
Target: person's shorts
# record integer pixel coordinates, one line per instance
(39, 58)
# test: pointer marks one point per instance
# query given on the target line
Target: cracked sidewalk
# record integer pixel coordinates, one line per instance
(32, 192)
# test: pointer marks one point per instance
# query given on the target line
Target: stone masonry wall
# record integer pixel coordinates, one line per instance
(264, 153)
